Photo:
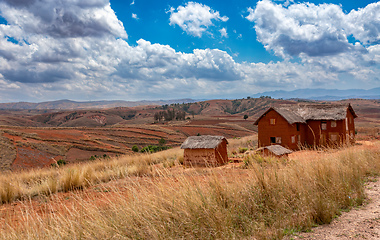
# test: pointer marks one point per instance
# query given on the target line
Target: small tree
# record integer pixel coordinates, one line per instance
(161, 142)
(135, 148)
(245, 117)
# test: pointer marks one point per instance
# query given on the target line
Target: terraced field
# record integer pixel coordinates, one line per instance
(27, 147)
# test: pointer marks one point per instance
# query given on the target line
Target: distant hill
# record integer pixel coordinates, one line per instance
(70, 105)
(323, 94)
(218, 108)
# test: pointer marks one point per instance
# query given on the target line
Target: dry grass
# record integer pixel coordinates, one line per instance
(236, 145)
(267, 200)
(26, 184)
(7, 153)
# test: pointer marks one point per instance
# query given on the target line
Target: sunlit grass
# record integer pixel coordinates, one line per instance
(267, 199)
(26, 184)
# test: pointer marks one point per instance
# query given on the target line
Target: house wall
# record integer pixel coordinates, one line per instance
(221, 153)
(199, 157)
(310, 133)
(331, 135)
(350, 134)
(299, 136)
(281, 129)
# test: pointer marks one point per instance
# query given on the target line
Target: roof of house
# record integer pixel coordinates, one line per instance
(277, 150)
(205, 141)
(300, 113)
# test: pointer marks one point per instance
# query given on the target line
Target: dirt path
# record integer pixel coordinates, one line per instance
(360, 223)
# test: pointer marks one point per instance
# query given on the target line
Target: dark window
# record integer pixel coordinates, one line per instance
(324, 125)
(272, 139)
(298, 126)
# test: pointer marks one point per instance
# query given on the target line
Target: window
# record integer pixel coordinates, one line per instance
(333, 124)
(293, 139)
(272, 140)
(298, 126)
(299, 139)
(334, 137)
(272, 121)
(278, 140)
(323, 125)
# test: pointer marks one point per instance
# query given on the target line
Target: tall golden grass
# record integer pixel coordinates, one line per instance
(267, 200)
(23, 185)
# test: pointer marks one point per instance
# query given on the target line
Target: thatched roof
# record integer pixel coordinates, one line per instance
(300, 113)
(277, 150)
(289, 115)
(199, 142)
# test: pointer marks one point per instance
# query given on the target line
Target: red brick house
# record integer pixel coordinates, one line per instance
(307, 124)
(205, 151)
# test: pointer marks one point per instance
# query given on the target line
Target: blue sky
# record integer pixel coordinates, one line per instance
(143, 49)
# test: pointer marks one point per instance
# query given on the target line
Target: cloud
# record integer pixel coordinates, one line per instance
(315, 30)
(64, 19)
(223, 32)
(57, 61)
(134, 16)
(364, 24)
(194, 18)
(155, 62)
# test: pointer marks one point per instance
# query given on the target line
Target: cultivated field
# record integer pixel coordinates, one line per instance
(39, 138)
(24, 148)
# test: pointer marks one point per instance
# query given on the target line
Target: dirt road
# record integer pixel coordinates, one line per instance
(359, 223)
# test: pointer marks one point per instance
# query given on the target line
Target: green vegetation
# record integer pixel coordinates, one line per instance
(169, 115)
(135, 148)
(161, 142)
(153, 149)
(94, 157)
(61, 162)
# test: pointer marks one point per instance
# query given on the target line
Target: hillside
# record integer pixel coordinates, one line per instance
(323, 94)
(38, 138)
(68, 104)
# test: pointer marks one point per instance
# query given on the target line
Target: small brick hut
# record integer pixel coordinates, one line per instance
(205, 151)
(307, 124)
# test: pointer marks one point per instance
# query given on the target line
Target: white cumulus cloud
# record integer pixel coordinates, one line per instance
(313, 30)
(85, 56)
(194, 18)
(223, 32)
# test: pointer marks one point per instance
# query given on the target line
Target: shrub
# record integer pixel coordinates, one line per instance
(135, 148)
(161, 142)
(60, 162)
(242, 150)
(153, 149)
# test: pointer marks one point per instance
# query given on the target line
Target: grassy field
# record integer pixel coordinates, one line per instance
(156, 198)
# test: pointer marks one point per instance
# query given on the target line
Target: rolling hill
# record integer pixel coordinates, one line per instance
(38, 138)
